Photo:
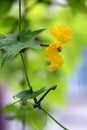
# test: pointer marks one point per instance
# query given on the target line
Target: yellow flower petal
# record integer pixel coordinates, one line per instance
(62, 33)
(53, 57)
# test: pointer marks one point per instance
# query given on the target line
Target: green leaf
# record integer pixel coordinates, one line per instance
(36, 118)
(9, 109)
(12, 45)
(13, 50)
(13, 112)
(8, 40)
(27, 34)
(39, 120)
(28, 94)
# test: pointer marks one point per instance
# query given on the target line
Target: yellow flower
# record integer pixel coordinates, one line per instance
(53, 56)
(63, 34)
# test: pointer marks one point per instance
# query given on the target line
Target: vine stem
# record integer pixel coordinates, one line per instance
(23, 61)
(19, 15)
(53, 118)
(13, 103)
(22, 58)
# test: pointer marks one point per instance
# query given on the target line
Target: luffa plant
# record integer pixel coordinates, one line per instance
(14, 44)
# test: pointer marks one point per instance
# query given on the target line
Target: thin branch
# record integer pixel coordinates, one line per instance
(53, 118)
(14, 103)
(23, 61)
(19, 15)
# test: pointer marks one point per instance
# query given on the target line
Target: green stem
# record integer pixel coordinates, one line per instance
(19, 15)
(53, 118)
(13, 103)
(23, 61)
(24, 15)
(23, 120)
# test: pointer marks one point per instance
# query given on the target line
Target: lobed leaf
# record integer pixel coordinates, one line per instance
(27, 34)
(8, 40)
(12, 45)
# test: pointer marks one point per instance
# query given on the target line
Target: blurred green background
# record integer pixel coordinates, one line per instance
(45, 14)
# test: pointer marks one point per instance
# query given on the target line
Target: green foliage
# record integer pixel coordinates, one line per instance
(9, 20)
(9, 109)
(13, 44)
(34, 117)
(25, 95)
(5, 6)
(78, 6)
(12, 112)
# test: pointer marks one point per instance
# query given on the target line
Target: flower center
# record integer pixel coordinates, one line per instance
(59, 49)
